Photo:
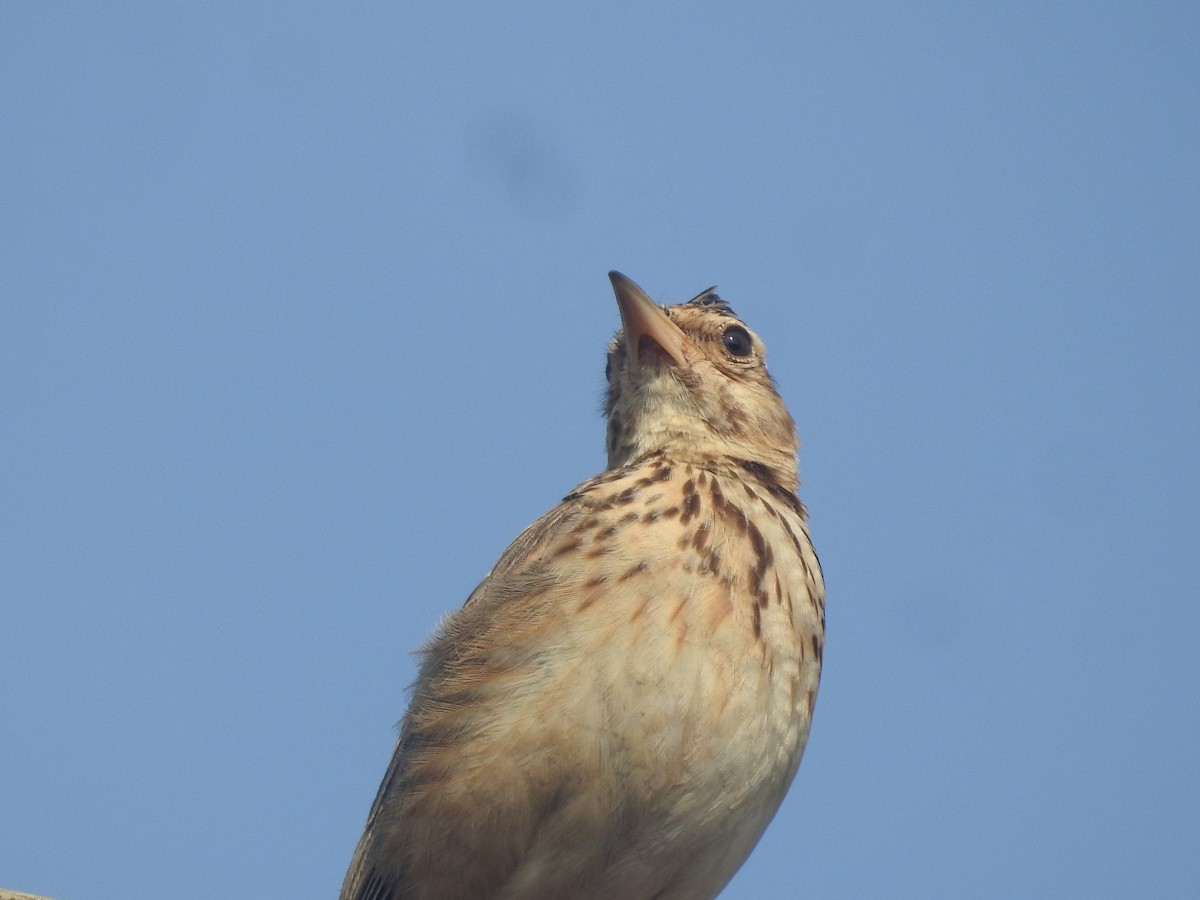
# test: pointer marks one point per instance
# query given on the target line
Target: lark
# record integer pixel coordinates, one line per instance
(620, 706)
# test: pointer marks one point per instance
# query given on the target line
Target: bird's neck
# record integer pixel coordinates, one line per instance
(776, 470)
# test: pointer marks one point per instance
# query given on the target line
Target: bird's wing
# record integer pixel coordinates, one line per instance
(520, 562)
(374, 873)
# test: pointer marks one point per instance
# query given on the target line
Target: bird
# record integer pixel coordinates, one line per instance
(620, 706)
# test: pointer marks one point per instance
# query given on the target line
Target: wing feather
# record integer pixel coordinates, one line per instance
(382, 865)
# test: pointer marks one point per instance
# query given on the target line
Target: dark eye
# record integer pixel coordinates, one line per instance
(737, 341)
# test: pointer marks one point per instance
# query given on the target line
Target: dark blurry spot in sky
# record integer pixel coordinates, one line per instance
(525, 161)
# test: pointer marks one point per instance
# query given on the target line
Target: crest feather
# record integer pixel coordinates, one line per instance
(708, 297)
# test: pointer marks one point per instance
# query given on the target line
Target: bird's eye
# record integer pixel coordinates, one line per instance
(737, 341)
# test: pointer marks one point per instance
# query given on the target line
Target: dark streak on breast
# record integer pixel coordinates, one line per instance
(568, 546)
(763, 476)
(691, 502)
(639, 569)
(662, 473)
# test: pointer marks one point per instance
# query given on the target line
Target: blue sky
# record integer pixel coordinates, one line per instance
(302, 319)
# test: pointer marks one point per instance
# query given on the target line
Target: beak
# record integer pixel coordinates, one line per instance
(641, 317)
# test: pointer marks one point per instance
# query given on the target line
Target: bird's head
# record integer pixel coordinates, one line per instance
(691, 380)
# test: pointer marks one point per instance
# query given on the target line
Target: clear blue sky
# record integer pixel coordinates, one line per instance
(303, 315)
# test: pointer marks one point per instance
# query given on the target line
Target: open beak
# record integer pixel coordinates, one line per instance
(641, 317)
